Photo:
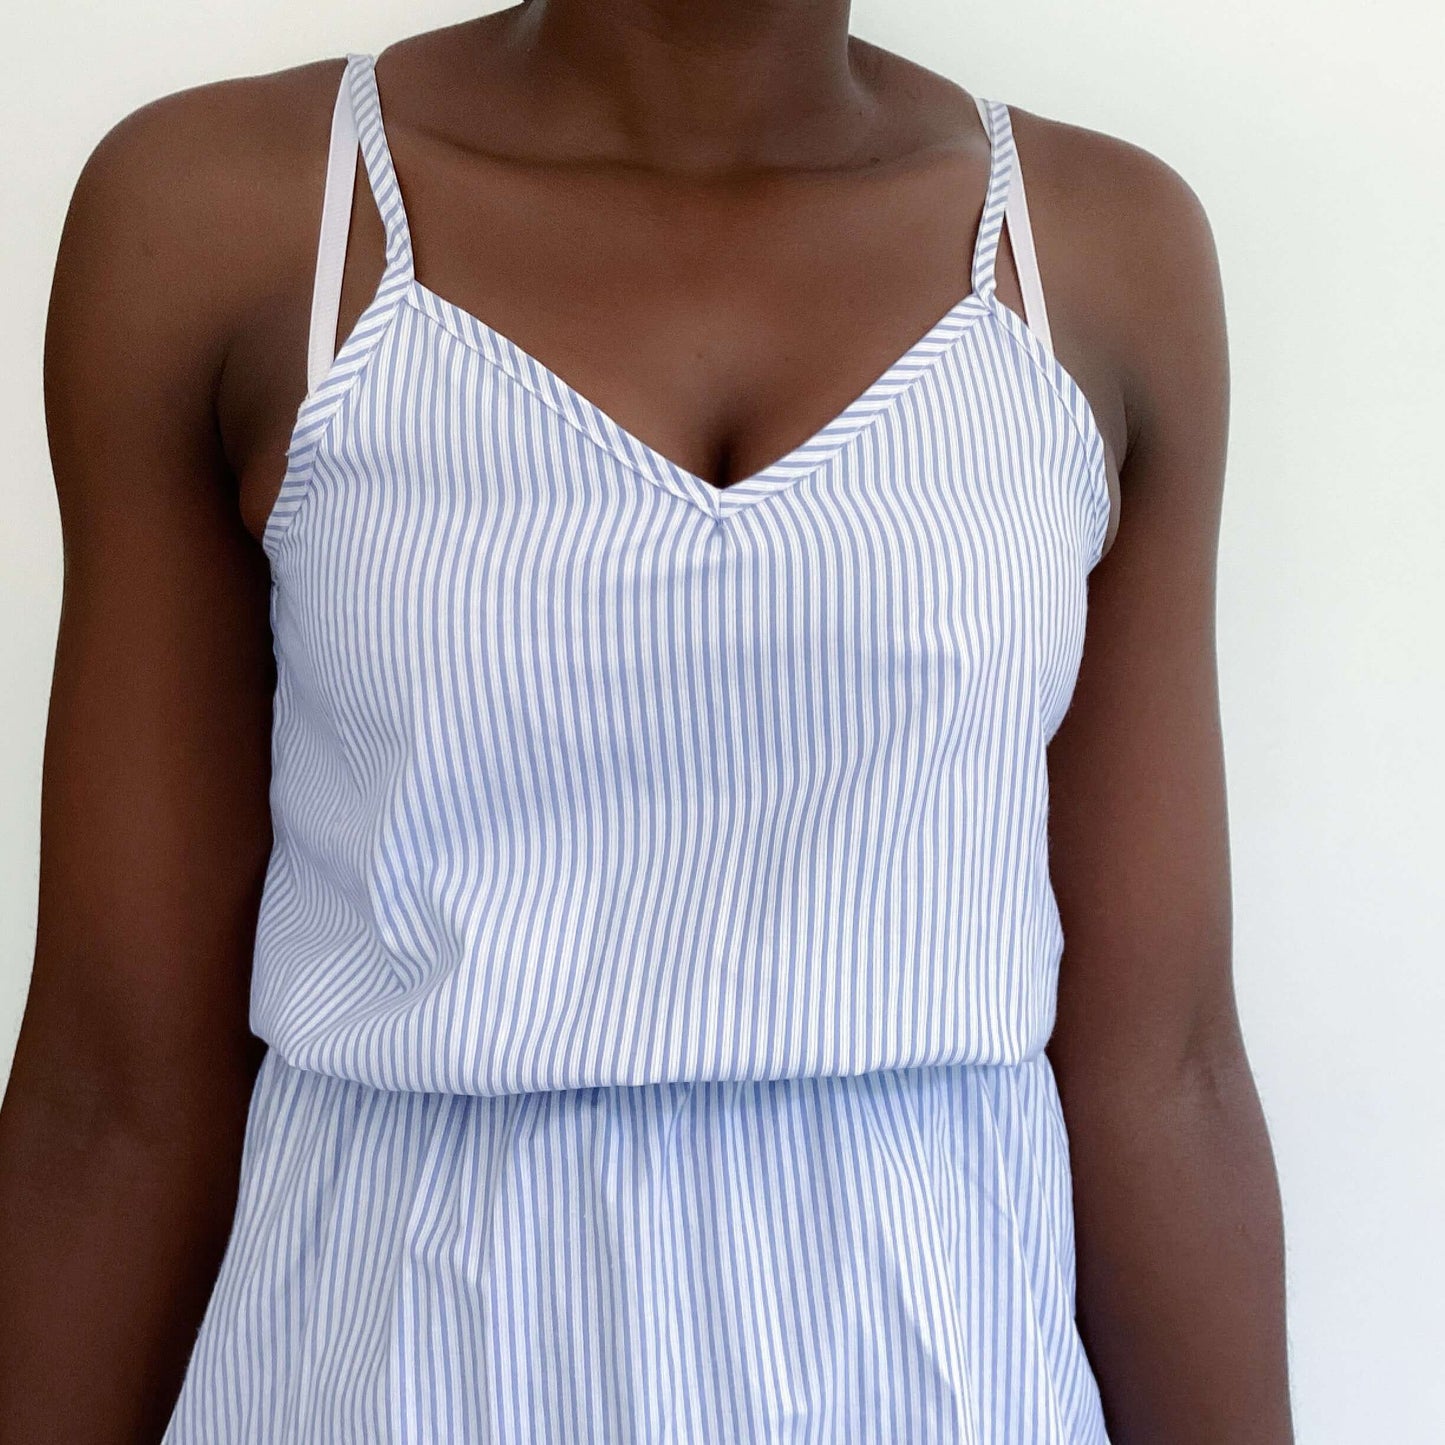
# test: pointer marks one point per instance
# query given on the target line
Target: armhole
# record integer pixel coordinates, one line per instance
(331, 244)
(1021, 241)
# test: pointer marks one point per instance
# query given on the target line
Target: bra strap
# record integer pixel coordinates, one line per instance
(1021, 239)
(331, 247)
(355, 120)
(998, 124)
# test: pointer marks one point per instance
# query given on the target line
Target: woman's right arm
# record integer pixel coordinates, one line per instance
(122, 1122)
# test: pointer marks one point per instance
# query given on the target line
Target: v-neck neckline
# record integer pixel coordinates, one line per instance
(803, 460)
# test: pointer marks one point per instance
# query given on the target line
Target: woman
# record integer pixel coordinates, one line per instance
(668, 484)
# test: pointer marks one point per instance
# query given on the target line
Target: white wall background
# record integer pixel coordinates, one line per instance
(1314, 131)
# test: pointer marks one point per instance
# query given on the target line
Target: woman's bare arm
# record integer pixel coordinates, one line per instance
(122, 1122)
(1178, 1221)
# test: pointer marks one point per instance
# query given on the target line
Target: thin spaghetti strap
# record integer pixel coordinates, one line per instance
(380, 170)
(1000, 169)
(331, 245)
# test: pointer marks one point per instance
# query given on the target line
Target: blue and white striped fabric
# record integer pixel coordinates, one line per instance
(658, 948)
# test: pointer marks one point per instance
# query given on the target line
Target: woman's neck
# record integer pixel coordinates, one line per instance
(697, 83)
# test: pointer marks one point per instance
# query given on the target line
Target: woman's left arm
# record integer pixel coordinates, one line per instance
(1179, 1237)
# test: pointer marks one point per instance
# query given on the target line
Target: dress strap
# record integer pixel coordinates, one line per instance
(380, 170)
(995, 116)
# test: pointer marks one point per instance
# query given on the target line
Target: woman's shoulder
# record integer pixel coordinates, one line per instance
(191, 214)
(212, 167)
(205, 194)
(1114, 186)
(1124, 245)
(1105, 204)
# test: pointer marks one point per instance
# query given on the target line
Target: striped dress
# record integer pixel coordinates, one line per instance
(657, 948)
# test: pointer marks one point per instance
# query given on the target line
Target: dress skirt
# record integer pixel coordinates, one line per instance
(881, 1257)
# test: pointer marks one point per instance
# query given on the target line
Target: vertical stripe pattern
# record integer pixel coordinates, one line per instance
(657, 949)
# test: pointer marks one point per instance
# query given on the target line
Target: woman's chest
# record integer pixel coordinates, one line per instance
(490, 554)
